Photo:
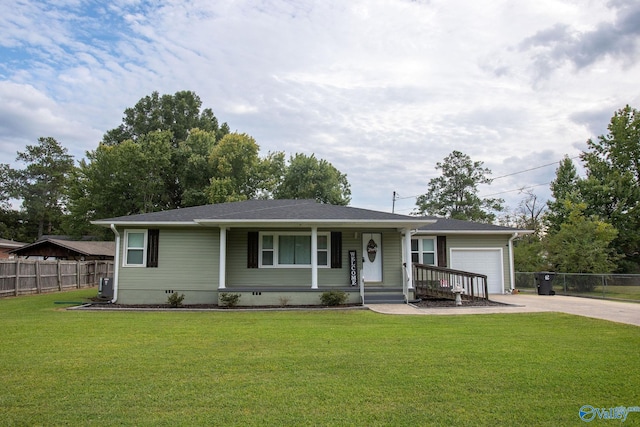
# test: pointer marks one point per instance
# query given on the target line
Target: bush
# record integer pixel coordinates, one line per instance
(333, 298)
(229, 300)
(175, 300)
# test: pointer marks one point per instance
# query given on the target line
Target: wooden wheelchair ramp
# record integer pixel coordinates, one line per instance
(430, 281)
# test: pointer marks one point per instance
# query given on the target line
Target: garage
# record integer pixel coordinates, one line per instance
(482, 261)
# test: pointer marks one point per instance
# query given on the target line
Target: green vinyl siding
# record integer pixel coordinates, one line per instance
(187, 263)
(392, 261)
(238, 275)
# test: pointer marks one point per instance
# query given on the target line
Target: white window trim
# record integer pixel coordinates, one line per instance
(276, 239)
(125, 252)
(421, 252)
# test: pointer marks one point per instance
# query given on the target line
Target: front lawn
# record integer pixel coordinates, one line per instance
(63, 367)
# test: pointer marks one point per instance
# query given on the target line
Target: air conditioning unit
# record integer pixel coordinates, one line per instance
(105, 288)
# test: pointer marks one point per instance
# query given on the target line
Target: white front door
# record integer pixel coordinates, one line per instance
(372, 257)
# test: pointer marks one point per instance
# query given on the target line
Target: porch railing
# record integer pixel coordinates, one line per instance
(438, 282)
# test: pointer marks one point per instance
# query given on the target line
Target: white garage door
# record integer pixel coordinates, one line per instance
(481, 261)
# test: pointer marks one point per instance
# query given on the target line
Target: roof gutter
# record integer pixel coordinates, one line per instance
(512, 273)
(116, 263)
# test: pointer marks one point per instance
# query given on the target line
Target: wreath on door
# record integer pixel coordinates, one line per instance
(372, 250)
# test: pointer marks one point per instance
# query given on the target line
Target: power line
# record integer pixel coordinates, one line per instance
(532, 169)
(517, 189)
(396, 196)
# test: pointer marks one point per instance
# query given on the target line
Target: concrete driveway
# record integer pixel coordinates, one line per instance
(615, 311)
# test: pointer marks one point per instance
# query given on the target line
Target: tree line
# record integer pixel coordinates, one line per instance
(167, 153)
(170, 153)
(590, 225)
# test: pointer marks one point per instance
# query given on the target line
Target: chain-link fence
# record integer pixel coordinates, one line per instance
(610, 286)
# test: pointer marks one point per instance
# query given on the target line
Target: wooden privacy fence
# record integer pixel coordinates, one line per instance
(19, 277)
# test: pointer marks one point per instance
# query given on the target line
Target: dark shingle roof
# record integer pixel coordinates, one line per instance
(264, 210)
(459, 226)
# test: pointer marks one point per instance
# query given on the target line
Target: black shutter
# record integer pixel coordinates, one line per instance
(252, 249)
(336, 249)
(153, 239)
(442, 251)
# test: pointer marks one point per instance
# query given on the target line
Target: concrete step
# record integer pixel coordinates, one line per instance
(380, 298)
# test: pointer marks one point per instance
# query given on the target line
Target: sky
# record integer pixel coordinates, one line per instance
(382, 89)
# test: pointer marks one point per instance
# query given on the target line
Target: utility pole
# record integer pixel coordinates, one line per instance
(393, 205)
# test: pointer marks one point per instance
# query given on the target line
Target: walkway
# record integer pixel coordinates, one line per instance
(615, 311)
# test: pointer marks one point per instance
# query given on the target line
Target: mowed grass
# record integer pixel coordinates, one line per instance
(613, 292)
(62, 367)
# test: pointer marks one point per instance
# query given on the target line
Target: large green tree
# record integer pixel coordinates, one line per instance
(454, 194)
(180, 114)
(122, 179)
(307, 177)
(612, 186)
(564, 188)
(235, 165)
(42, 184)
(582, 245)
(194, 168)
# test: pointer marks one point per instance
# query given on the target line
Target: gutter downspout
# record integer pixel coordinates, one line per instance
(512, 273)
(116, 265)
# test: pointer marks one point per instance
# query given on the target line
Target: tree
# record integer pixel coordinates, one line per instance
(234, 162)
(5, 184)
(565, 188)
(455, 193)
(42, 184)
(178, 114)
(528, 254)
(306, 177)
(612, 187)
(122, 179)
(582, 245)
(528, 250)
(530, 213)
(8, 218)
(194, 169)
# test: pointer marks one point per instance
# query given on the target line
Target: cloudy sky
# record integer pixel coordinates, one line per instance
(382, 89)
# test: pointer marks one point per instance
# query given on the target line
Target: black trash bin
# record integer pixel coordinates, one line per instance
(544, 281)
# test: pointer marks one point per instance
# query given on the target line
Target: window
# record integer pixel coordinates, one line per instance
(292, 249)
(135, 243)
(141, 248)
(423, 251)
(267, 250)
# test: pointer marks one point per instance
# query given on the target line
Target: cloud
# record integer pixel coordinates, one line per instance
(27, 114)
(550, 48)
(382, 89)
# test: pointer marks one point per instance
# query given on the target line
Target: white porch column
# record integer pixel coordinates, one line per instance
(407, 257)
(222, 278)
(314, 257)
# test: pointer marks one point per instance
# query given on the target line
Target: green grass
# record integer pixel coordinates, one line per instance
(614, 292)
(63, 367)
